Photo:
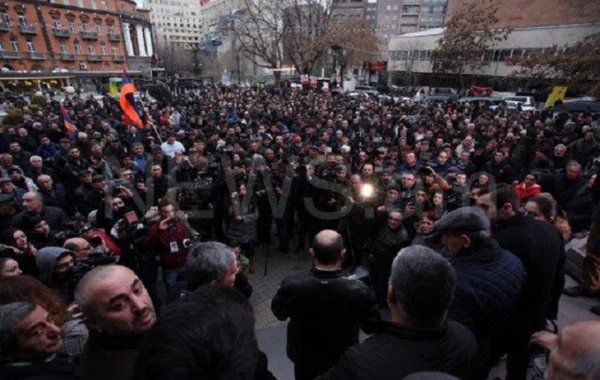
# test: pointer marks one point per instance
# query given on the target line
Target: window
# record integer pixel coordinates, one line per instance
(99, 29)
(78, 48)
(92, 49)
(63, 47)
(31, 47)
(72, 27)
(115, 50)
(15, 45)
(85, 27)
(94, 4)
(80, 3)
(66, 2)
(22, 20)
(2, 46)
(111, 30)
(6, 17)
(56, 24)
(103, 49)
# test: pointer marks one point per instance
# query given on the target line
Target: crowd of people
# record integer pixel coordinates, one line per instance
(460, 215)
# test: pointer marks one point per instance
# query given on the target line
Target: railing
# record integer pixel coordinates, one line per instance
(89, 35)
(10, 54)
(36, 55)
(28, 29)
(5, 26)
(67, 57)
(114, 37)
(411, 2)
(94, 58)
(119, 58)
(62, 32)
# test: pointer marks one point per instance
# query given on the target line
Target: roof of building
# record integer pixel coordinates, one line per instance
(424, 33)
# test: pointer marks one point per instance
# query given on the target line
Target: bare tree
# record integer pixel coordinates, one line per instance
(469, 32)
(576, 66)
(175, 61)
(353, 42)
(306, 26)
(259, 34)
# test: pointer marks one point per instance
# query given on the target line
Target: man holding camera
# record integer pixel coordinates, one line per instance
(168, 237)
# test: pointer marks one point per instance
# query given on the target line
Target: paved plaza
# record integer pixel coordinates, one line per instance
(271, 333)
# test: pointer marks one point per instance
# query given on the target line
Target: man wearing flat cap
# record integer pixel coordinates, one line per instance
(489, 278)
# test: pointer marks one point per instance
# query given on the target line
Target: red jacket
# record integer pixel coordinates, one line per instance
(525, 193)
(161, 238)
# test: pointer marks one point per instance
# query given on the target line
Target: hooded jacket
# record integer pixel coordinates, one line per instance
(46, 262)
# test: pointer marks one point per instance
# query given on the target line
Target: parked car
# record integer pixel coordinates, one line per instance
(441, 98)
(527, 102)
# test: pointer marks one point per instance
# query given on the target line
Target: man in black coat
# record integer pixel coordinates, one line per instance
(489, 278)
(33, 205)
(540, 248)
(325, 309)
(419, 337)
(390, 239)
(118, 312)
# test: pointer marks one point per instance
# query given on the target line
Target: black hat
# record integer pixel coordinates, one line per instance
(316, 147)
(98, 177)
(389, 162)
(65, 140)
(392, 186)
(424, 141)
(5, 179)
(83, 172)
(464, 218)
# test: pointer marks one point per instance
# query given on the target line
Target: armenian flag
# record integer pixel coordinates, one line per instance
(127, 102)
(69, 123)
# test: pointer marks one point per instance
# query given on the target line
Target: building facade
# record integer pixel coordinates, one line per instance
(177, 24)
(345, 9)
(536, 25)
(79, 36)
(395, 17)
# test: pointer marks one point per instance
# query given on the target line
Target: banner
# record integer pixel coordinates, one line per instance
(558, 93)
(313, 81)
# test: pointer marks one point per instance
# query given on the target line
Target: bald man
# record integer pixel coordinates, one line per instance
(325, 309)
(574, 353)
(118, 312)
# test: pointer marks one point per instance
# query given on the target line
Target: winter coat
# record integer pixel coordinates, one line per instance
(106, 357)
(242, 231)
(161, 239)
(488, 285)
(54, 216)
(325, 311)
(46, 262)
(527, 192)
(540, 247)
(395, 351)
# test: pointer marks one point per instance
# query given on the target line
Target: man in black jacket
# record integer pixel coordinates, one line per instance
(325, 309)
(118, 312)
(419, 337)
(540, 248)
(489, 278)
(33, 205)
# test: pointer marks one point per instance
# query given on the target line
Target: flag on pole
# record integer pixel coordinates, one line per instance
(69, 123)
(127, 102)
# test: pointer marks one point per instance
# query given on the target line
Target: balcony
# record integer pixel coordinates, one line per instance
(94, 58)
(36, 56)
(62, 33)
(89, 35)
(28, 29)
(67, 57)
(10, 54)
(4, 26)
(412, 2)
(112, 37)
(119, 58)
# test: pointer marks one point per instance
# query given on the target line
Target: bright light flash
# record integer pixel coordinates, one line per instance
(366, 191)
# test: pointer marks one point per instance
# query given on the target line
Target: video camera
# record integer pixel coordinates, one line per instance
(96, 258)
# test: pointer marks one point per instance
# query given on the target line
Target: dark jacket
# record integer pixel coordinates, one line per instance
(325, 311)
(54, 216)
(242, 231)
(395, 351)
(540, 248)
(160, 239)
(489, 281)
(62, 367)
(106, 357)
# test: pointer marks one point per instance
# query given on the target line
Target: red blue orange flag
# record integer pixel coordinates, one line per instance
(127, 102)
(69, 123)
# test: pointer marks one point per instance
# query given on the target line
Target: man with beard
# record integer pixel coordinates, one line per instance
(118, 312)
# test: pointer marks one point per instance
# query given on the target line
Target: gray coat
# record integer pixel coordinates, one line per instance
(242, 231)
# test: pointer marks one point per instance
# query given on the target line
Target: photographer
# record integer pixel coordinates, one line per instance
(168, 236)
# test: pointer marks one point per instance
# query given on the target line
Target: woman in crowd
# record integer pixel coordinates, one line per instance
(242, 224)
(9, 267)
(24, 252)
(426, 233)
(543, 207)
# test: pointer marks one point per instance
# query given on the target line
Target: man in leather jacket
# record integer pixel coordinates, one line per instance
(325, 309)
